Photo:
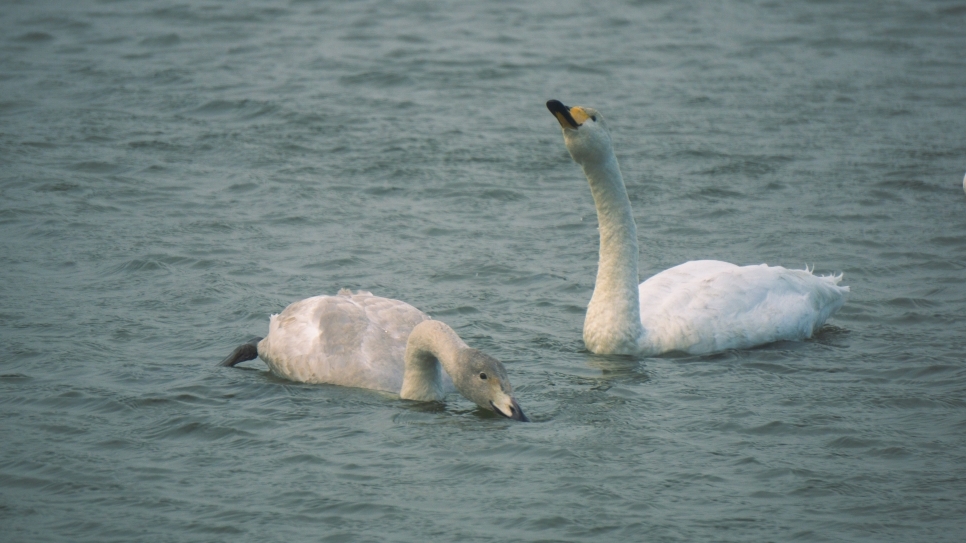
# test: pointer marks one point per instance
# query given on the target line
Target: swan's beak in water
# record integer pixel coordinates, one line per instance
(511, 411)
(562, 113)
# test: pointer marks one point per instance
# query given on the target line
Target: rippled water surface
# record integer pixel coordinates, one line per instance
(173, 173)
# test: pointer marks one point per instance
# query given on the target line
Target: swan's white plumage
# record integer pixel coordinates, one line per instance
(698, 307)
(704, 306)
(351, 339)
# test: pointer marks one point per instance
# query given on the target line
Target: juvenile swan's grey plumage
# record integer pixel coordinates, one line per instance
(697, 307)
(361, 340)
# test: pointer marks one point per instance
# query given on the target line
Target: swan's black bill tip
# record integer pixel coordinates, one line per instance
(562, 113)
(556, 106)
(516, 413)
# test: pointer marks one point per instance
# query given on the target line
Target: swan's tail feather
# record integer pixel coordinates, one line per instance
(347, 292)
(835, 279)
(831, 278)
(243, 352)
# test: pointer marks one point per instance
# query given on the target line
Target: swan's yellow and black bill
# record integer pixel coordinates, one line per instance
(562, 113)
(515, 412)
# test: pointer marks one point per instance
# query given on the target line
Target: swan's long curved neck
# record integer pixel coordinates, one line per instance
(431, 348)
(613, 322)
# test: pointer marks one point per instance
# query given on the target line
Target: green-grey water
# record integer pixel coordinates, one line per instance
(173, 173)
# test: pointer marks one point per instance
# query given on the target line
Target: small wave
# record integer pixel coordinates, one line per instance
(849, 442)
(375, 79)
(154, 145)
(138, 265)
(63, 186)
(34, 37)
(94, 166)
(890, 452)
(165, 40)
(905, 183)
(461, 310)
(912, 303)
(304, 459)
(715, 193)
(191, 428)
(502, 195)
(337, 264)
(245, 109)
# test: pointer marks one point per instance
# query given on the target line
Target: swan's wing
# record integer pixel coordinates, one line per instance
(705, 306)
(350, 340)
(383, 351)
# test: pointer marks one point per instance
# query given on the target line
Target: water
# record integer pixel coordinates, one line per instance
(171, 174)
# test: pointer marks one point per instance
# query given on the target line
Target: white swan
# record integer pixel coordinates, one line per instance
(697, 307)
(361, 340)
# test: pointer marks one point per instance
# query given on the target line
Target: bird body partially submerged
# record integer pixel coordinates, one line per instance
(365, 341)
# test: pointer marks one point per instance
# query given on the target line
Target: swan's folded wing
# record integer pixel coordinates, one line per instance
(384, 344)
(351, 339)
(708, 306)
(314, 340)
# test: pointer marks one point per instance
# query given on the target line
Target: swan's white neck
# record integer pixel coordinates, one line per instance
(613, 321)
(431, 344)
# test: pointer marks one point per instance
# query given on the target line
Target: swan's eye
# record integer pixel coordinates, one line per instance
(593, 118)
(483, 376)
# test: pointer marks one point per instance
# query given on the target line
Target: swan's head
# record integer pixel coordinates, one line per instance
(483, 381)
(584, 131)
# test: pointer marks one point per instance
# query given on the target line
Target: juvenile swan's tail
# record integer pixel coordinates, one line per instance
(245, 351)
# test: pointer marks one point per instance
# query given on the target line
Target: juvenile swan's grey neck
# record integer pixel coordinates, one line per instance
(431, 344)
(478, 377)
(614, 314)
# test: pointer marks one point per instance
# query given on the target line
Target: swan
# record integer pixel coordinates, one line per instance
(698, 307)
(365, 341)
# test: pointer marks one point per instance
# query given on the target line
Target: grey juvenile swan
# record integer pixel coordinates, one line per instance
(361, 340)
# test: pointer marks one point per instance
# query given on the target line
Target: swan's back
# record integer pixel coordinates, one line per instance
(351, 339)
(705, 306)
